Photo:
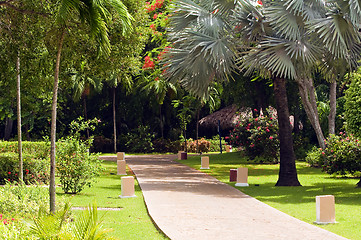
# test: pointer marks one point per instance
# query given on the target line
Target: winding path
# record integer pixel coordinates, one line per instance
(188, 204)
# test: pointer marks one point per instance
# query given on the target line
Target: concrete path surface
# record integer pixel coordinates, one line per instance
(188, 204)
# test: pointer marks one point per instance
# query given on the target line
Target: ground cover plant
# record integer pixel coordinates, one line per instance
(298, 202)
(129, 218)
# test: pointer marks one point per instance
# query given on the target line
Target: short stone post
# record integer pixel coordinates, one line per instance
(242, 177)
(179, 155)
(120, 156)
(121, 167)
(232, 175)
(325, 209)
(127, 187)
(205, 162)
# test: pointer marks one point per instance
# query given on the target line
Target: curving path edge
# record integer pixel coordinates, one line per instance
(188, 204)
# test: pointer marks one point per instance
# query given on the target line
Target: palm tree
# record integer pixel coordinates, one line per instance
(160, 88)
(280, 39)
(96, 16)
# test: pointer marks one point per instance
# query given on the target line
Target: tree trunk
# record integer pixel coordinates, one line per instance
(114, 123)
(308, 98)
(21, 178)
(197, 129)
(288, 172)
(52, 187)
(86, 115)
(8, 128)
(332, 115)
(359, 183)
(161, 121)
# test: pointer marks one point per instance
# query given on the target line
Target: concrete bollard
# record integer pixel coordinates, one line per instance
(232, 175)
(325, 209)
(127, 187)
(205, 162)
(120, 156)
(121, 167)
(179, 155)
(242, 177)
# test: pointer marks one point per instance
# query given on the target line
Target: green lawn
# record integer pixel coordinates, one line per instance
(132, 221)
(295, 201)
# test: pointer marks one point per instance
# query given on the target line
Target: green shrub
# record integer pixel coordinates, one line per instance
(203, 145)
(353, 105)
(36, 149)
(19, 200)
(214, 144)
(162, 145)
(75, 166)
(314, 157)
(140, 140)
(342, 155)
(258, 137)
(35, 170)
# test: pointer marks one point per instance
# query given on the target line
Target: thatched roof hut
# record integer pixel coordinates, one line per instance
(227, 116)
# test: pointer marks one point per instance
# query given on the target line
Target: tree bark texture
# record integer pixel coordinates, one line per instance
(8, 128)
(288, 172)
(114, 123)
(308, 97)
(52, 187)
(332, 115)
(21, 177)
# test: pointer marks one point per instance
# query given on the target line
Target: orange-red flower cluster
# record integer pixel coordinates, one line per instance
(157, 4)
(148, 63)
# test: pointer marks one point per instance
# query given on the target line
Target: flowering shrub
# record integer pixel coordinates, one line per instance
(36, 170)
(341, 156)
(76, 167)
(258, 137)
(204, 145)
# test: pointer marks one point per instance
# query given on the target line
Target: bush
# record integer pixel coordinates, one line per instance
(214, 147)
(35, 170)
(258, 137)
(36, 149)
(162, 145)
(102, 144)
(140, 140)
(203, 144)
(314, 157)
(76, 167)
(353, 105)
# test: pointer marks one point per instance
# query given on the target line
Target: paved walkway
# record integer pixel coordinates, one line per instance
(188, 204)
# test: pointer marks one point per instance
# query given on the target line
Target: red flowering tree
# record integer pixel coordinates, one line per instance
(257, 137)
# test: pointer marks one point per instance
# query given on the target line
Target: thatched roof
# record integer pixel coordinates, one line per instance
(228, 117)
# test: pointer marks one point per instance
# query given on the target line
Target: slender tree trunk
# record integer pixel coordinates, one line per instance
(288, 172)
(197, 129)
(161, 121)
(359, 183)
(86, 115)
(52, 187)
(114, 123)
(332, 115)
(308, 98)
(21, 178)
(8, 128)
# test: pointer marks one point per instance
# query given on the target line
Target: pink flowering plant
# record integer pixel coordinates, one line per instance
(258, 137)
(341, 156)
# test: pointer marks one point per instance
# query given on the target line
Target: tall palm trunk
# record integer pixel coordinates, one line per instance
(53, 123)
(197, 129)
(308, 97)
(21, 178)
(288, 173)
(332, 115)
(86, 116)
(114, 123)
